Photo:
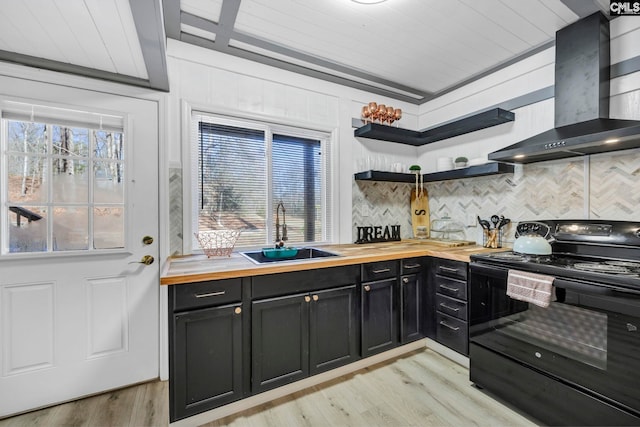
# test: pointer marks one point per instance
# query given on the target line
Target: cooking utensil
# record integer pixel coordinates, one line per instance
(503, 222)
(484, 223)
(494, 220)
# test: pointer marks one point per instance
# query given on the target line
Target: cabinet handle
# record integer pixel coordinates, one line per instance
(448, 288)
(412, 266)
(238, 310)
(449, 269)
(315, 297)
(210, 294)
(367, 288)
(383, 270)
(449, 326)
(449, 308)
(405, 280)
(307, 298)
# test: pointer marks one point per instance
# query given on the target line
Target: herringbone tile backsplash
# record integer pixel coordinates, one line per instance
(606, 186)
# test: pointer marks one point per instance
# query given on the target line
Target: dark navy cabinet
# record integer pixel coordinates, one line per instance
(206, 346)
(233, 338)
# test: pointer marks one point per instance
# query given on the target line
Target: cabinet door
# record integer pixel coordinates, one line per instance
(279, 341)
(333, 328)
(206, 360)
(379, 316)
(410, 308)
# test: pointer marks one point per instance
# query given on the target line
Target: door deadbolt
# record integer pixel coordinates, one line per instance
(147, 240)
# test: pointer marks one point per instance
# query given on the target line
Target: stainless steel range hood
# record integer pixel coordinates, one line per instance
(582, 123)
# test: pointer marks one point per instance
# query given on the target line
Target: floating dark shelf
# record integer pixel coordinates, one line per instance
(473, 123)
(469, 172)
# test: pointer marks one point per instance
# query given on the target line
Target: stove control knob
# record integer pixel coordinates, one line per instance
(638, 233)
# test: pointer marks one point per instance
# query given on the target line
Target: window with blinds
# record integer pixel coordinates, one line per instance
(244, 170)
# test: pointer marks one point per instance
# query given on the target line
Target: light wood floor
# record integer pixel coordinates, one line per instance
(419, 389)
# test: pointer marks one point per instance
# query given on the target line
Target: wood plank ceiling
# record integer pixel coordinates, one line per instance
(412, 50)
(117, 40)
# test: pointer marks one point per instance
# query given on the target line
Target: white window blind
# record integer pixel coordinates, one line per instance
(245, 169)
(25, 112)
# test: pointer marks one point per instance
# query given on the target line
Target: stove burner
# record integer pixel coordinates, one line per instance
(602, 268)
(628, 264)
(508, 255)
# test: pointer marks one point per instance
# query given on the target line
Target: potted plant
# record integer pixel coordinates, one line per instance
(460, 162)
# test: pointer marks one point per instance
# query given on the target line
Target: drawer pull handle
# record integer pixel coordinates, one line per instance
(210, 294)
(449, 269)
(307, 298)
(315, 297)
(238, 310)
(367, 288)
(449, 326)
(412, 266)
(383, 270)
(449, 308)
(449, 288)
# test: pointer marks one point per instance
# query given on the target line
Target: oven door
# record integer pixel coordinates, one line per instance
(588, 337)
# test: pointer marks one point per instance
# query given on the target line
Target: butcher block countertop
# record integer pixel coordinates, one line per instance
(199, 268)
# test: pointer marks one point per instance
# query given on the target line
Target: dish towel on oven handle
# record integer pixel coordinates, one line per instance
(530, 287)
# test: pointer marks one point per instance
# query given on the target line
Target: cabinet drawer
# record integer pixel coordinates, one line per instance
(410, 266)
(451, 307)
(273, 285)
(450, 268)
(452, 332)
(451, 287)
(379, 270)
(206, 294)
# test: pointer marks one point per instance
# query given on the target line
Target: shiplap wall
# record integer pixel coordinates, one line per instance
(599, 186)
(219, 83)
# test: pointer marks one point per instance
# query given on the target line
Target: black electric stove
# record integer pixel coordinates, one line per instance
(576, 361)
(606, 252)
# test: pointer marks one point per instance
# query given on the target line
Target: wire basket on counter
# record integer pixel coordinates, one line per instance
(217, 242)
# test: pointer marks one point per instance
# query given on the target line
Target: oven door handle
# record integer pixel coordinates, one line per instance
(486, 270)
(594, 288)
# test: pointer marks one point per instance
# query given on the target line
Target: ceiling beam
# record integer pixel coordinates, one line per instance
(64, 67)
(147, 16)
(171, 12)
(227, 21)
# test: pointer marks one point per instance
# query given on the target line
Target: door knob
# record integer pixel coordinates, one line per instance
(146, 260)
(367, 288)
(147, 240)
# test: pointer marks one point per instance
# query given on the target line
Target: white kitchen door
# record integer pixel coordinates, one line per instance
(81, 315)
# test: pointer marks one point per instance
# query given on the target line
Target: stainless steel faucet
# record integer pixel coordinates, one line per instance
(280, 241)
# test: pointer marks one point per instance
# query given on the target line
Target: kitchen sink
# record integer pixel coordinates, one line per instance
(303, 254)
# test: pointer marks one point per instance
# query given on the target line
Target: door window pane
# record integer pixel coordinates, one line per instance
(108, 182)
(70, 182)
(61, 179)
(70, 228)
(27, 137)
(108, 226)
(27, 229)
(26, 177)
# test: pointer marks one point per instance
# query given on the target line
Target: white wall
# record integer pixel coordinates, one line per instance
(222, 83)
